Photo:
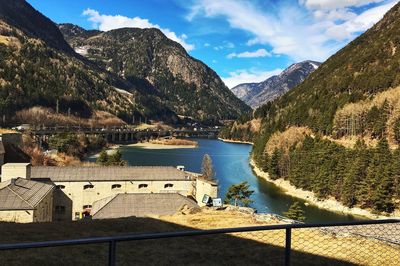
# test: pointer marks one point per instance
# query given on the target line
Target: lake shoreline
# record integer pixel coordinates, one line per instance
(330, 204)
(236, 141)
(148, 145)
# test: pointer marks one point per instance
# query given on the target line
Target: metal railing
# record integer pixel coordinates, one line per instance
(346, 228)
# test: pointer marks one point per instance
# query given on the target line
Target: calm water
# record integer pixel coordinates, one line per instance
(231, 164)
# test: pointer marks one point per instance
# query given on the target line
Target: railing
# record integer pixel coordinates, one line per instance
(380, 232)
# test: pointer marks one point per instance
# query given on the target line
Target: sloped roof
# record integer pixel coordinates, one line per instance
(108, 173)
(22, 194)
(140, 205)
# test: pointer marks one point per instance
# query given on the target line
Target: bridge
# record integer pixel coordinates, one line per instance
(123, 134)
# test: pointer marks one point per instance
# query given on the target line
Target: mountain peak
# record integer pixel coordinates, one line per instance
(257, 94)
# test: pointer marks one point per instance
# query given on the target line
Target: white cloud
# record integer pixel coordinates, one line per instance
(334, 4)
(248, 76)
(314, 32)
(207, 44)
(110, 22)
(258, 53)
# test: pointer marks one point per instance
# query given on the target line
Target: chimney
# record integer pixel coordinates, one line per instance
(15, 170)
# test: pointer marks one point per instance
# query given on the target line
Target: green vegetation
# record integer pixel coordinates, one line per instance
(295, 212)
(114, 159)
(239, 194)
(76, 145)
(185, 85)
(348, 95)
(366, 177)
(207, 169)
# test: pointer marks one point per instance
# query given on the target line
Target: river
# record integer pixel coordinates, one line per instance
(231, 164)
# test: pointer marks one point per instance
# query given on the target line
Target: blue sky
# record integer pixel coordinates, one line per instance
(243, 41)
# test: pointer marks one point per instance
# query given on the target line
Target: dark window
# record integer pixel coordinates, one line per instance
(115, 186)
(60, 187)
(168, 185)
(88, 186)
(143, 185)
(60, 209)
(87, 206)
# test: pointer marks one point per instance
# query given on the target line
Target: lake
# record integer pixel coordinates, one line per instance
(231, 164)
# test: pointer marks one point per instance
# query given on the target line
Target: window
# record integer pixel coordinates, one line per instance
(168, 185)
(143, 186)
(87, 206)
(115, 186)
(60, 187)
(88, 186)
(60, 209)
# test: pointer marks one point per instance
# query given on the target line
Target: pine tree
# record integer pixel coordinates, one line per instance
(103, 158)
(295, 212)
(239, 194)
(116, 159)
(274, 164)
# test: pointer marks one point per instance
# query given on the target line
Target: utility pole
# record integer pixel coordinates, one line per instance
(57, 106)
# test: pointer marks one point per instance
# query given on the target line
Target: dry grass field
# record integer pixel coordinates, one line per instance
(310, 246)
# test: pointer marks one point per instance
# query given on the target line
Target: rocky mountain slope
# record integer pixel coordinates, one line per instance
(159, 66)
(126, 73)
(257, 94)
(39, 68)
(338, 133)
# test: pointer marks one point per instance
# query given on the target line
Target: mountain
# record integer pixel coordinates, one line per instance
(338, 132)
(149, 78)
(39, 69)
(257, 94)
(159, 66)
(22, 16)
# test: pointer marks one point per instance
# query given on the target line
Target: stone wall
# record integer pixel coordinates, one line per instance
(74, 192)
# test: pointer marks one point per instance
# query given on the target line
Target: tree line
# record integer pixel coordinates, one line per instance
(363, 176)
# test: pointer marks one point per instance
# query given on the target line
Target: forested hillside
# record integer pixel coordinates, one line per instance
(158, 66)
(353, 95)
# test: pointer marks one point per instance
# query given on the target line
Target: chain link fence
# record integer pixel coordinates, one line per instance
(358, 243)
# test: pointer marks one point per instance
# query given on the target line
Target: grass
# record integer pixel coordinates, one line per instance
(174, 141)
(311, 247)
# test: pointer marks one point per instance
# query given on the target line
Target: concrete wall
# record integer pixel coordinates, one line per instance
(17, 216)
(44, 211)
(205, 187)
(14, 170)
(74, 192)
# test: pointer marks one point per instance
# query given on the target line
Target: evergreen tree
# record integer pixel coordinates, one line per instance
(274, 164)
(239, 194)
(116, 159)
(103, 158)
(295, 212)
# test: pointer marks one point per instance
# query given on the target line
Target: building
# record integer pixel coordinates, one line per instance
(77, 188)
(141, 205)
(25, 201)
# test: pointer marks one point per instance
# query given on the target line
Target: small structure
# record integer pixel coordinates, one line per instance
(141, 205)
(25, 201)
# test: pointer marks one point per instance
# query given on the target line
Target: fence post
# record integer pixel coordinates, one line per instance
(288, 246)
(111, 253)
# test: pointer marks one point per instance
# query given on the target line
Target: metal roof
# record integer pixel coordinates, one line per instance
(22, 194)
(140, 205)
(108, 173)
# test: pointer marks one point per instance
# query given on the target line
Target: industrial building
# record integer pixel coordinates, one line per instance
(78, 191)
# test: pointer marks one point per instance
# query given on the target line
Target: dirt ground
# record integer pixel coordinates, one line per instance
(310, 246)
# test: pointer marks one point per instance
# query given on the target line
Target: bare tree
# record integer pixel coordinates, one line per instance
(207, 169)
